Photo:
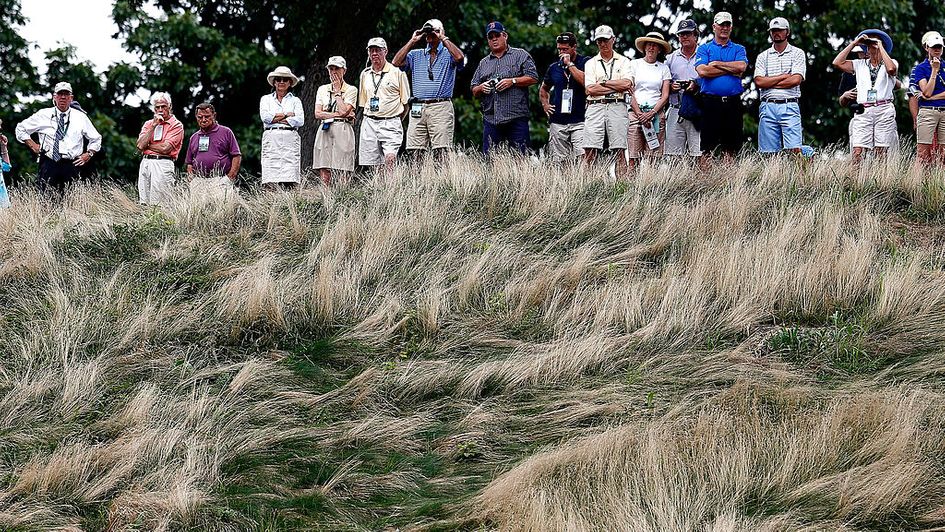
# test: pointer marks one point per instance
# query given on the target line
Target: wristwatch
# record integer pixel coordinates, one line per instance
(513, 81)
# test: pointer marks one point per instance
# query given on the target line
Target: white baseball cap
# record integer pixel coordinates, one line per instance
(603, 32)
(935, 40)
(378, 42)
(435, 22)
(722, 16)
(928, 35)
(62, 86)
(337, 61)
(779, 23)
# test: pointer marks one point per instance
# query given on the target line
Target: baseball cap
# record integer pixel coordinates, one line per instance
(378, 42)
(779, 23)
(494, 27)
(62, 86)
(722, 16)
(934, 40)
(337, 61)
(435, 23)
(603, 32)
(929, 34)
(687, 25)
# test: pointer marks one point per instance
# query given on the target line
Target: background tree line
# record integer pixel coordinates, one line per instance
(221, 51)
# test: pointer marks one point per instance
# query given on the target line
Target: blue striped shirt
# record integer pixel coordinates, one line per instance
(444, 70)
(512, 103)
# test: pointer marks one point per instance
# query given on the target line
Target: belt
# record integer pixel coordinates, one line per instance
(382, 117)
(345, 120)
(158, 157)
(434, 100)
(930, 108)
(785, 100)
(674, 105)
(877, 104)
(605, 100)
(287, 128)
(723, 99)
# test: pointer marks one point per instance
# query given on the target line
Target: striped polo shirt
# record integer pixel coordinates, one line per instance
(792, 60)
(512, 103)
(443, 68)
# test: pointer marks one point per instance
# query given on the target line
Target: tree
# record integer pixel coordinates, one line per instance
(17, 77)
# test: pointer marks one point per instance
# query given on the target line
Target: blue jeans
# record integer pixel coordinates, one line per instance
(779, 127)
(514, 133)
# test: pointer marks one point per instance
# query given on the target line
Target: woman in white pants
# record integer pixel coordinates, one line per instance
(281, 114)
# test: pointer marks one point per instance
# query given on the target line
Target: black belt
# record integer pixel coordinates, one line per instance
(158, 157)
(381, 117)
(723, 99)
(435, 100)
(287, 128)
(786, 100)
(932, 108)
(605, 100)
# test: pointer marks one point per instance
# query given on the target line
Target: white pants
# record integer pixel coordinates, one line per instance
(681, 136)
(155, 181)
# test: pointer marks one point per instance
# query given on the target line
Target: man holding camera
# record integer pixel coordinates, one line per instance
(384, 92)
(682, 135)
(563, 98)
(779, 72)
(501, 83)
(608, 77)
(159, 142)
(432, 78)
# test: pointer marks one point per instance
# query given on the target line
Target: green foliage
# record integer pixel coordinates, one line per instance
(838, 347)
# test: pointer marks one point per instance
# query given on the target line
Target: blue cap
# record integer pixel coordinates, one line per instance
(494, 27)
(882, 36)
(687, 25)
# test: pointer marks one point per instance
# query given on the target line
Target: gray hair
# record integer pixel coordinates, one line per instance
(158, 96)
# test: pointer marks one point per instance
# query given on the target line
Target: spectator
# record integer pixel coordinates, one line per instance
(501, 83)
(281, 114)
(779, 72)
(682, 135)
(608, 79)
(334, 106)
(563, 99)
(651, 84)
(159, 142)
(4, 168)
(432, 78)
(213, 154)
(930, 120)
(875, 82)
(62, 132)
(721, 64)
(384, 102)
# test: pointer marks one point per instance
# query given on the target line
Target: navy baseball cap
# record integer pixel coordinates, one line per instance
(687, 25)
(494, 27)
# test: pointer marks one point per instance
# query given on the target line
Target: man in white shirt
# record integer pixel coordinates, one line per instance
(62, 132)
(384, 92)
(608, 78)
(779, 72)
(682, 135)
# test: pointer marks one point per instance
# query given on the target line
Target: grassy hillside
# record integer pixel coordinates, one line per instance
(500, 346)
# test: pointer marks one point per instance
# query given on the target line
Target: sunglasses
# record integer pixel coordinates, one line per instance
(281, 80)
(566, 39)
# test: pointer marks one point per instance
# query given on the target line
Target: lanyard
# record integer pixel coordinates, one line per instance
(377, 83)
(613, 63)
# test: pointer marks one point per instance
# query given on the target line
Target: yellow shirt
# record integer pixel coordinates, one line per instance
(349, 94)
(392, 90)
(597, 70)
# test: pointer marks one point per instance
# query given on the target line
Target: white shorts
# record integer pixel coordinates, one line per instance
(874, 128)
(565, 141)
(682, 137)
(379, 138)
(155, 181)
(606, 119)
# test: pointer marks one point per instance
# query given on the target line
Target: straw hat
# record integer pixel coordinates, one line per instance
(653, 37)
(282, 72)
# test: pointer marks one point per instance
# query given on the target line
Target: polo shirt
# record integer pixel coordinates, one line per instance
(219, 155)
(598, 70)
(792, 60)
(391, 87)
(681, 68)
(444, 68)
(173, 133)
(924, 71)
(558, 79)
(727, 84)
(512, 103)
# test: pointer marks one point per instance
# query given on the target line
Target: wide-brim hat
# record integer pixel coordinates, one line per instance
(654, 37)
(282, 72)
(882, 36)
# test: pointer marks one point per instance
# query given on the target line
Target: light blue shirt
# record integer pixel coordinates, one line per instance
(444, 70)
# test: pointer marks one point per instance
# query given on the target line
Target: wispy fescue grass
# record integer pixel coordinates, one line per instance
(495, 345)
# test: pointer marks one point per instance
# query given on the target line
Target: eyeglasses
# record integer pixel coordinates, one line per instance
(281, 80)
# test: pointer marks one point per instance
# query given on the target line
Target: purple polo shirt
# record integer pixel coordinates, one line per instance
(220, 149)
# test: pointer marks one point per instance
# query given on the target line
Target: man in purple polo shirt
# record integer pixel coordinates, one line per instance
(212, 151)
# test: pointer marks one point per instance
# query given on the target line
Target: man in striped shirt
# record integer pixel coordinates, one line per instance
(779, 72)
(432, 78)
(501, 83)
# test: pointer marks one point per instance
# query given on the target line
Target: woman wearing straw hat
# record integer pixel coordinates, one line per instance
(651, 84)
(334, 106)
(281, 114)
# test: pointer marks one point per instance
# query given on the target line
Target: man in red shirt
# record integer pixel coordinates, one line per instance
(159, 142)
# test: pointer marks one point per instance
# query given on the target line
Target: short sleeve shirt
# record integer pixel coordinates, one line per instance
(391, 87)
(173, 133)
(648, 81)
(598, 70)
(558, 79)
(726, 84)
(883, 83)
(323, 96)
(512, 103)
(215, 153)
(443, 68)
(923, 71)
(681, 68)
(792, 60)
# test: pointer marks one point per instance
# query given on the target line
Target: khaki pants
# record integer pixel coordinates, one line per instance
(682, 137)
(434, 128)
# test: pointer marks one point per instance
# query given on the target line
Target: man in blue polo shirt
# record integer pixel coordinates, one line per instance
(721, 64)
(564, 100)
(432, 78)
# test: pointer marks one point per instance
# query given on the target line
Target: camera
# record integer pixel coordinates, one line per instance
(684, 83)
(857, 108)
(493, 82)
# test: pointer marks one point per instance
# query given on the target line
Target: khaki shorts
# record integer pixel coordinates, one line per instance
(565, 141)
(379, 138)
(874, 127)
(636, 141)
(930, 125)
(434, 128)
(682, 137)
(606, 119)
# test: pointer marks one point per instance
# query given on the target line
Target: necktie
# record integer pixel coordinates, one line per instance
(60, 134)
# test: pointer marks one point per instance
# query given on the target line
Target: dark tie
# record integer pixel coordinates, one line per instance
(60, 134)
